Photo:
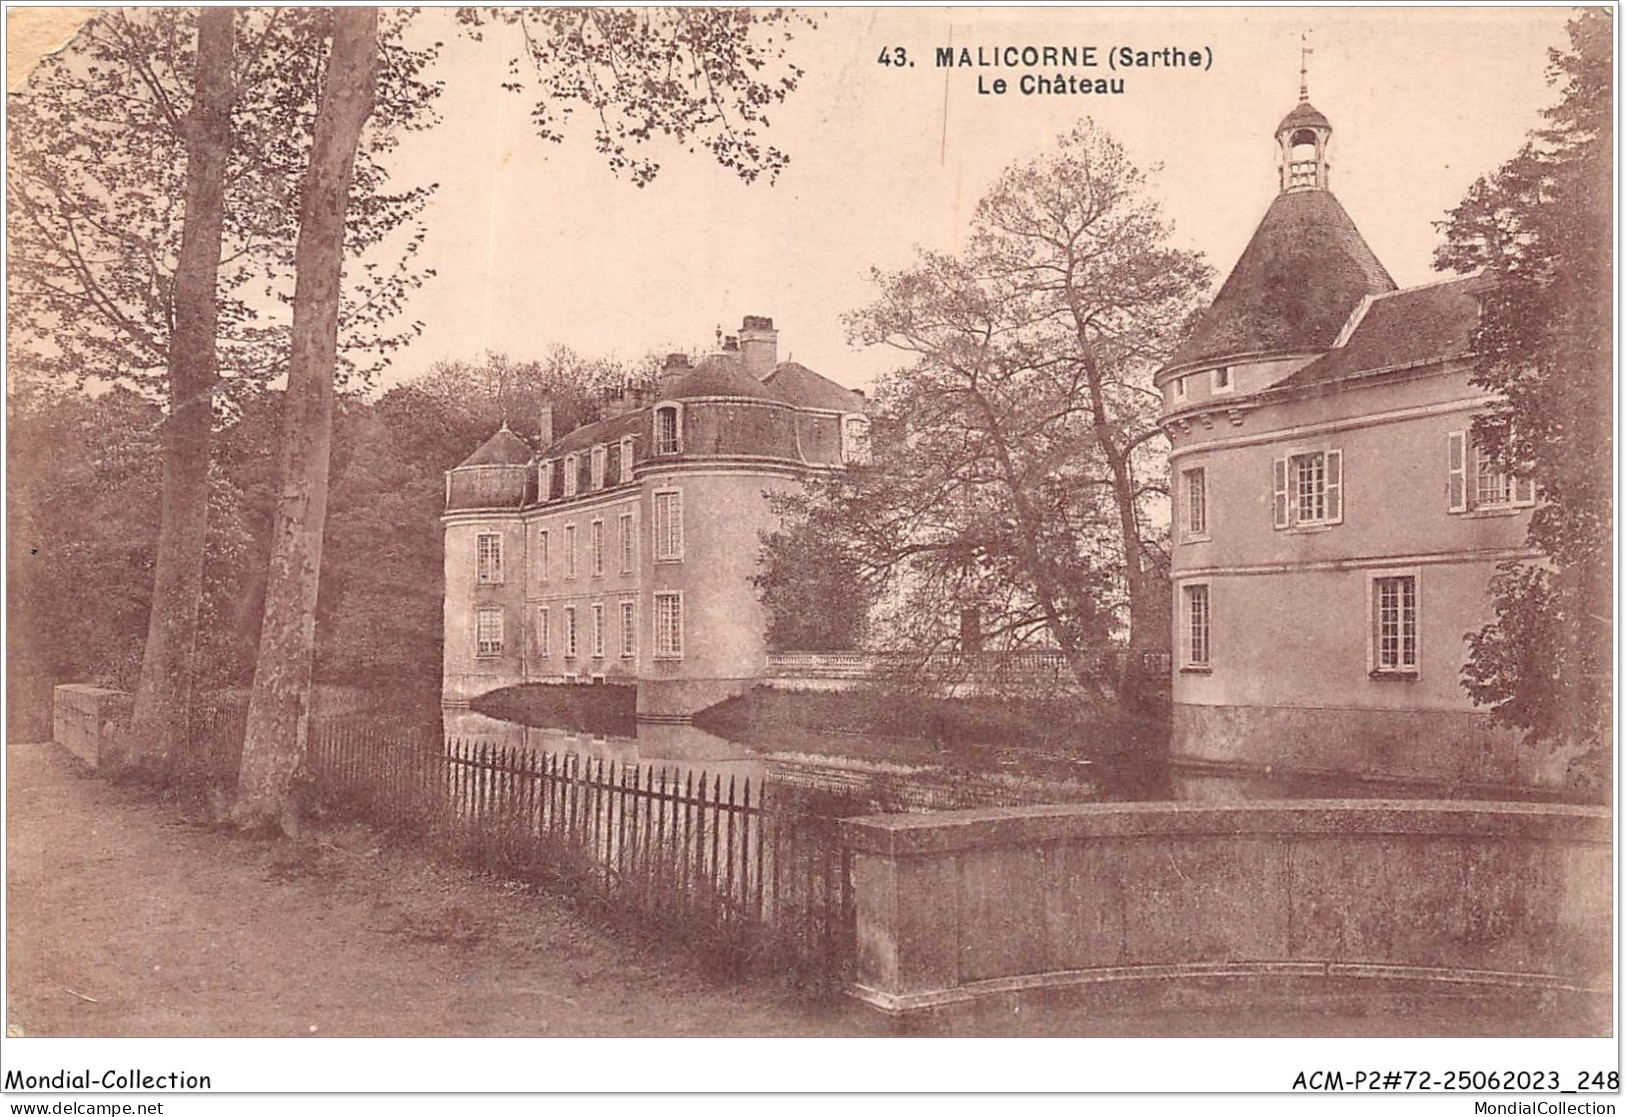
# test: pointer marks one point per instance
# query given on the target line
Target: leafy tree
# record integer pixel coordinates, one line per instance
(83, 497)
(1081, 251)
(164, 691)
(1012, 465)
(1543, 226)
(703, 76)
(689, 75)
(380, 613)
(272, 743)
(150, 163)
(829, 610)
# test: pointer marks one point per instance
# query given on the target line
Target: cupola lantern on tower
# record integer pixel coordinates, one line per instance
(1302, 136)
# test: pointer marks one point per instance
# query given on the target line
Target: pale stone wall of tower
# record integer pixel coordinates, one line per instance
(1290, 680)
(466, 673)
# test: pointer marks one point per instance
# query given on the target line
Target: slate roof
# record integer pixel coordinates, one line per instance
(603, 431)
(502, 448)
(1304, 270)
(1420, 325)
(720, 374)
(1304, 115)
(800, 385)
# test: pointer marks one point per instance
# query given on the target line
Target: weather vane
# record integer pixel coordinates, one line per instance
(1303, 66)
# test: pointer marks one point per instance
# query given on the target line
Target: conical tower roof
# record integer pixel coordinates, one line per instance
(1304, 271)
(502, 448)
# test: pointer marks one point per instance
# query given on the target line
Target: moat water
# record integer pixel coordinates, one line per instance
(863, 774)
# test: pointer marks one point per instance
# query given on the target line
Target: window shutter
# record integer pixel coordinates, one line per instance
(1334, 486)
(1280, 493)
(1458, 471)
(1523, 490)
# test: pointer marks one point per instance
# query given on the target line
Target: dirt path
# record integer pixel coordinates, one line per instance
(124, 920)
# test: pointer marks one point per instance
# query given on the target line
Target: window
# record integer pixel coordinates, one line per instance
(570, 551)
(599, 457)
(598, 631)
(541, 554)
(668, 430)
(1195, 503)
(629, 630)
(488, 560)
(1196, 628)
(544, 482)
(488, 633)
(1393, 625)
(1222, 381)
(668, 526)
(626, 460)
(1309, 489)
(598, 548)
(855, 440)
(542, 633)
(570, 632)
(629, 542)
(1477, 483)
(668, 625)
(572, 473)
(1179, 387)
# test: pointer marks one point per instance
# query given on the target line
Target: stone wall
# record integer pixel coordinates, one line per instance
(960, 906)
(1454, 748)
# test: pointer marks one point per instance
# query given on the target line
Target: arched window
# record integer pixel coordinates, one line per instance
(668, 429)
(855, 440)
(1303, 159)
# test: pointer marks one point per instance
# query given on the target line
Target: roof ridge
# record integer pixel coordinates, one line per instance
(1356, 316)
(1476, 273)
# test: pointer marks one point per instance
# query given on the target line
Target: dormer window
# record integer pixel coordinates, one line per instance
(855, 440)
(626, 460)
(572, 473)
(599, 456)
(1222, 380)
(544, 482)
(668, 430)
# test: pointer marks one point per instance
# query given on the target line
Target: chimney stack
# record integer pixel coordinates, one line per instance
(544, 427)
(676, 364)
(759, 346)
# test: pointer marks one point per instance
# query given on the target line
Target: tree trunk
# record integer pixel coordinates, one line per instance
(163, 694)
(274, 744)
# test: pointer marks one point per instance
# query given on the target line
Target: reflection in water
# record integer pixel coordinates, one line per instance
(848, 775)
(680, 749)
(851, 776)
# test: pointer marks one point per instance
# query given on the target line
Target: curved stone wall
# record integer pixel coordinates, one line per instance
(962, 905)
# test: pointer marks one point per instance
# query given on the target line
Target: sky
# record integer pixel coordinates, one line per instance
(536, 243)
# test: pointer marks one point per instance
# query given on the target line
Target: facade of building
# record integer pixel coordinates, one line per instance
(1335, 531)
(623, 552)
